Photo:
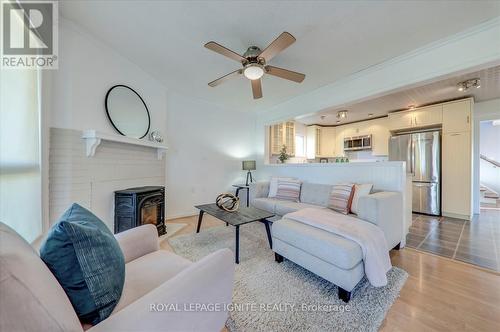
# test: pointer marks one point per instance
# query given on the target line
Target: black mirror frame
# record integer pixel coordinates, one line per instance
(138, 95)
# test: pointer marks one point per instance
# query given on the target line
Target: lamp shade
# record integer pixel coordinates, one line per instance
(248, 165)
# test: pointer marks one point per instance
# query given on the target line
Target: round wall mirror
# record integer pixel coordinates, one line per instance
(127, 111)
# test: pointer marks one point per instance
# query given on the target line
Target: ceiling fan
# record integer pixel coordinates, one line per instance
(254, 62)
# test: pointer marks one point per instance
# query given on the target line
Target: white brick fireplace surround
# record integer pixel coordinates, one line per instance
(91, 181)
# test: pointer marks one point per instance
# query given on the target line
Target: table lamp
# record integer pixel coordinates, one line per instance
(248, 165)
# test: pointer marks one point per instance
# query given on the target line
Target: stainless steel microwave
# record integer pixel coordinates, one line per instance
(358, 143)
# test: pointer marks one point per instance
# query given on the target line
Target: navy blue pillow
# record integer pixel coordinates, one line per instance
(86, 259)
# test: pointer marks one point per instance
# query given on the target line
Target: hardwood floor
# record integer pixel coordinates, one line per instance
(440, 294)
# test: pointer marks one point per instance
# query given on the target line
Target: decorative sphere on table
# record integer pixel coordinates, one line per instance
(227, 202)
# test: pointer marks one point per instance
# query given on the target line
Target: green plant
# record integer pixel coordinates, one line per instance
(283, 155)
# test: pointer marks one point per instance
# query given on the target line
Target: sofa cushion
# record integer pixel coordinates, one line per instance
(86, 259)
(341, 198)
(266, 204)
(31, 299)
(329, 247)
(273, 185)
(283, 207)
(146, 273)
(314, 193)
(288, 190)
(360, 190)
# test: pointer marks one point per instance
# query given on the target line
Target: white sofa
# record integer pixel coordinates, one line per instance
(32, 300)
(328, 255)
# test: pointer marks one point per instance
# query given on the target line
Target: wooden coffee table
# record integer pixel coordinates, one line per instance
(243, 216)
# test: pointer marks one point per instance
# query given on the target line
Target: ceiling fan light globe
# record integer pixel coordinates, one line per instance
(253, 71)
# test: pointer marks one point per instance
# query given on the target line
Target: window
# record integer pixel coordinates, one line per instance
(300, 148)
(20, 175)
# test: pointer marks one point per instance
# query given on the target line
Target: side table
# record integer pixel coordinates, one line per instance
(243, 187)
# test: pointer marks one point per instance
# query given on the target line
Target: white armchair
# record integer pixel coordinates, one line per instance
(33, 300)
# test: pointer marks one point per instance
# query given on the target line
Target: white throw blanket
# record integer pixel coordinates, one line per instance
(370, 238)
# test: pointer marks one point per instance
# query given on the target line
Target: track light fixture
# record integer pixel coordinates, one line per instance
(466, 85)
(342, 114)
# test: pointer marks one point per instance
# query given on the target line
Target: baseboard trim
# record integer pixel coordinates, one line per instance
(457, 216)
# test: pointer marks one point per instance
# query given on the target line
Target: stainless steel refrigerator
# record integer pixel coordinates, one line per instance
(422, 153)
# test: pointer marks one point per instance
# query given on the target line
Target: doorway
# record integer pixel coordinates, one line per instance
(489, 165)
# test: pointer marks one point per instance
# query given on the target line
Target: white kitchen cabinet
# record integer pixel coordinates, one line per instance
(320, 142)
(457, 116)
(313, 135)
(276, 138)
(401, 120)
(417, 118)
(327, 142)
(339, 141)
(457, 175)
(282, 134)
(428, 116)
(351, 129)
(380, 136)
(289, 139)
(317, 133)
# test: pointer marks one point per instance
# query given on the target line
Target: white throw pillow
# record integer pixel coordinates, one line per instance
(273, 185)
(360, 190)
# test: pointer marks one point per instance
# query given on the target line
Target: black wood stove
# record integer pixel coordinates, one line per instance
(140, 206)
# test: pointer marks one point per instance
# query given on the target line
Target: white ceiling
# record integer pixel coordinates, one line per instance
(334, 39)
(441, 90)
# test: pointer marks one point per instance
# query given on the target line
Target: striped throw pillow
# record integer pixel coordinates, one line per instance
(341, 198)
(288, 189)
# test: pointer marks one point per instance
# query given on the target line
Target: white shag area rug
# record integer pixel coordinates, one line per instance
(286, 297)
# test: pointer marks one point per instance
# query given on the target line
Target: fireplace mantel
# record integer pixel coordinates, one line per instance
(93, 138)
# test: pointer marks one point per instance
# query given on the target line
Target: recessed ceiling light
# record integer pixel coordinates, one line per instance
(412, 107)
(323, 117)
(370, 115)
(338, 121)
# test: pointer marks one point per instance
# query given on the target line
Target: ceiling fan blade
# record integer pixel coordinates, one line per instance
(285, 73)
(225, 78)
(257, 89)
(213, 46)
(279, 44)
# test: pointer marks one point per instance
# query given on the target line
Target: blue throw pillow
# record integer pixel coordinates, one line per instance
(86, 259)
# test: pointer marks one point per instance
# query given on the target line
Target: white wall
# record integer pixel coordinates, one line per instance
(489, 139)
(91, 182)
(207, 144)
(487, 110)
(87, 69)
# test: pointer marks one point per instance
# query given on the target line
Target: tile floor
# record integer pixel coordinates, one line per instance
(475, 242)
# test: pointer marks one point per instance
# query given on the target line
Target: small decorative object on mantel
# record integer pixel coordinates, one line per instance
(227, 202)
(283, 156)
(156, 136)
